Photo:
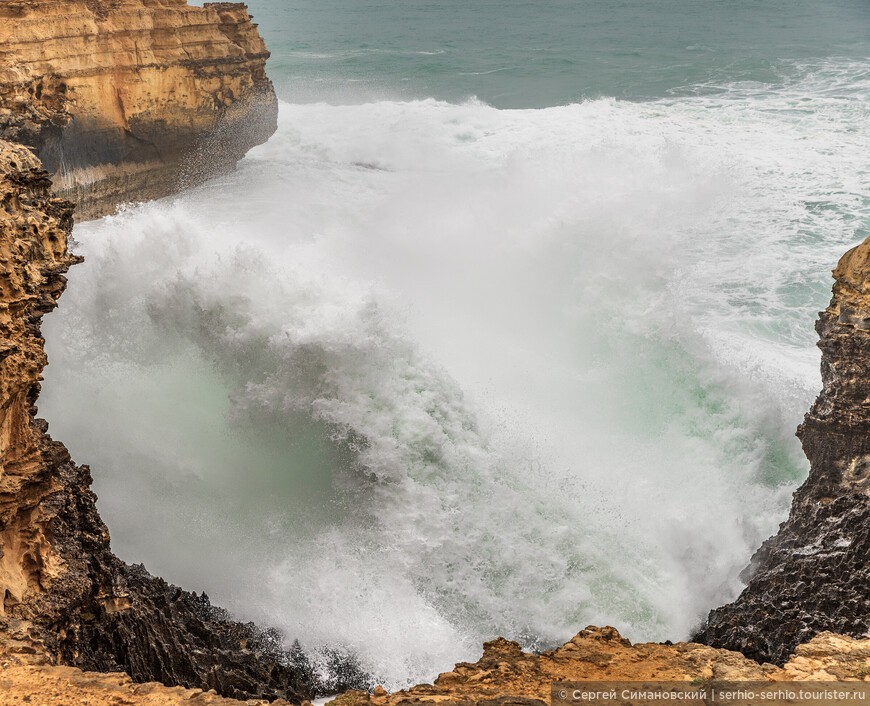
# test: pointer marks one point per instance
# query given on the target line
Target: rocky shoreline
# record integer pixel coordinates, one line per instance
(503, 676)
(507, 675)
(814, 575)
(134, 99)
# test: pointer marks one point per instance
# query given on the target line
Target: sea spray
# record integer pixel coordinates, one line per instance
(419, 373)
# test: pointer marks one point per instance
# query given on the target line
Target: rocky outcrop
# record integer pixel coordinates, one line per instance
(27, 676)
(507, 676)
(130, 100)
(63, 590)
(504, 675)
(33, 257)
(814, 575)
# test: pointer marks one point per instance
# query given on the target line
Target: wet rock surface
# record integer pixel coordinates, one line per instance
(814, 575)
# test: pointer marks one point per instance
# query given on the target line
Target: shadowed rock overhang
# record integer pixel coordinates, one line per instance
(132, 100)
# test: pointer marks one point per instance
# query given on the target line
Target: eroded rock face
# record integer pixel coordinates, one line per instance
(62, 588)
(507, 676)
(28, 676)
(130, 100)
(814, 575)
(33, 258)
(504, 676)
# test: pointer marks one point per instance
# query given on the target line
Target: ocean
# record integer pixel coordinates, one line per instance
(506, 331)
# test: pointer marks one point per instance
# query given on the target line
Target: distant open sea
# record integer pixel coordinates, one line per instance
(506, 331)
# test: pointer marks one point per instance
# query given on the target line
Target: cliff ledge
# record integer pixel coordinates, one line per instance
(131, 100)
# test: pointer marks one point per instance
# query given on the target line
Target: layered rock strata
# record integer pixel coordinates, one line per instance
(62, 589)
(130, 100)
(507, 676)
(814, 575)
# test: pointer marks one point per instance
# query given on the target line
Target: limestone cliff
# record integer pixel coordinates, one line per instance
(33, 258)
(62, 589)
(130, 100)
(814, 575)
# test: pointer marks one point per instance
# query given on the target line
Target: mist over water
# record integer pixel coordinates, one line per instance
(421, 373)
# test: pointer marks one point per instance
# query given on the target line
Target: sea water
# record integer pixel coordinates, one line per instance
(506, 331)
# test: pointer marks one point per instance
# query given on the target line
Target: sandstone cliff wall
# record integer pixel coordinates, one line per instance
(130, 100)
(33, 258)
(814, 575)
(62, 589)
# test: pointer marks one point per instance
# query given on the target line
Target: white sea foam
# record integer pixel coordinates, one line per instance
(419, 374)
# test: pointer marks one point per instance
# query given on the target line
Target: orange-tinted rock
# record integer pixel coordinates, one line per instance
(28, 678)
(507, 675)
(33, 257)
(130, 100)
(65, 597)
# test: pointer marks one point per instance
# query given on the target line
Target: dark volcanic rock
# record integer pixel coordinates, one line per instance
(814, 575)
(155, 631)
(103, 615)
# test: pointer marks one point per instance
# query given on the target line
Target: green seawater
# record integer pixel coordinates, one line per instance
(522, 54)
(505, 331)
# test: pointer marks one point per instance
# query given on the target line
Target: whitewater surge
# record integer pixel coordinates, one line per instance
(420, 374)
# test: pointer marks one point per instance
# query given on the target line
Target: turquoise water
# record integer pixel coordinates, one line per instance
(506, 331)
(521, 54)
